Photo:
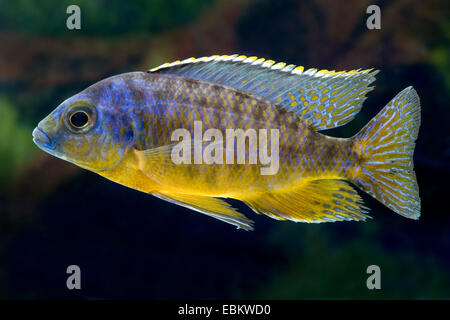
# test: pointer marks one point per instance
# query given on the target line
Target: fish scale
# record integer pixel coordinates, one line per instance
(233, 105)
(131, 117)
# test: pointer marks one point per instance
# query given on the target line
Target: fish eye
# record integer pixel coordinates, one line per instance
(80, 117)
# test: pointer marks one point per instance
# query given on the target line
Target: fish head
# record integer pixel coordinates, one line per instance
(89, 129)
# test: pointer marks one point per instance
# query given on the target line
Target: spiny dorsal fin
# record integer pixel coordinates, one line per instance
(328, 99)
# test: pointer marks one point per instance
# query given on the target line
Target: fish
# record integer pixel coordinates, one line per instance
(165, 132)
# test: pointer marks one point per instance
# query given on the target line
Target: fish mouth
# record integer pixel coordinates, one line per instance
(41, 139)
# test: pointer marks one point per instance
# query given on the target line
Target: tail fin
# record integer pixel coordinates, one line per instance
(386, 145)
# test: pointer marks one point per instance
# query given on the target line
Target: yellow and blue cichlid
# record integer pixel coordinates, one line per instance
(122, 128)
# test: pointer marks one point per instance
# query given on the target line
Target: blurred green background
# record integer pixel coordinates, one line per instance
(130, 245)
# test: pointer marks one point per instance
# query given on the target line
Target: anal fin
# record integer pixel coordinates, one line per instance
(210, 206)
(314, 201)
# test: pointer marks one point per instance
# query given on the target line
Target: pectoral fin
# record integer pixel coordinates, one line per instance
(210, 206)
(312, 201)
(156, 163)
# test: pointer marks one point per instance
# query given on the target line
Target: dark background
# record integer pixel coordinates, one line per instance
(131, 245)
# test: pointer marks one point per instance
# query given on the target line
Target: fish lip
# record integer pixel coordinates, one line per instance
(41, 139)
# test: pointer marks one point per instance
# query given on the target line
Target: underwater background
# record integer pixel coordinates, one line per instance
(132, 245)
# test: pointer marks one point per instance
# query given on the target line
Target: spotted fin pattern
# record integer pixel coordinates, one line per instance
(386, 144)
(326, 99)
(322, 200)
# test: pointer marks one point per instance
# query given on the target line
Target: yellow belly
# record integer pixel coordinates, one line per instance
(231, 181)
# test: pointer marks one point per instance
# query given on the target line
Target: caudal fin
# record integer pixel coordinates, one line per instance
(386, 145)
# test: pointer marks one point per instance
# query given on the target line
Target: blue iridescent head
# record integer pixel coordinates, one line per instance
(92, 129)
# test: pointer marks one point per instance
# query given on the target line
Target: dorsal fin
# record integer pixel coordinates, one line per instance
(328, 99)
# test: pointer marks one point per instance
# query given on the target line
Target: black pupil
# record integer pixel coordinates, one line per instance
(79, 119)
